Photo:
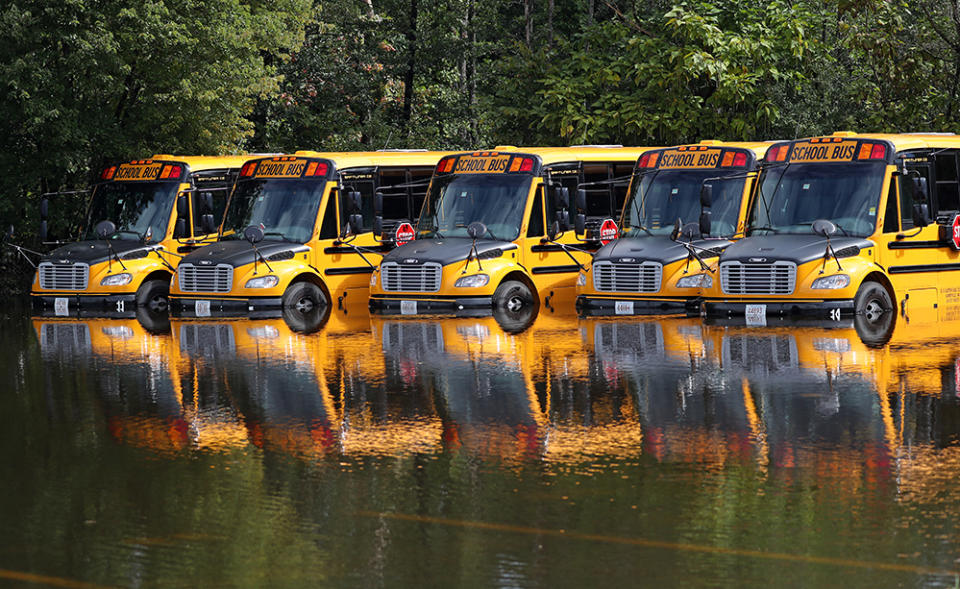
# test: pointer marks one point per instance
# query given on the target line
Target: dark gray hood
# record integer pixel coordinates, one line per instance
(656, 248)
(798, 249)
(239, 252)
(446, 251)
(95, 251)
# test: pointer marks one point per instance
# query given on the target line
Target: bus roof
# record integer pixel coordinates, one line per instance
(198, 163)
(358, 159)
(584, 153)
(904, 141)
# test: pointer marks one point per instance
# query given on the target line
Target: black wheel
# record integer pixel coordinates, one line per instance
(875, 316)
(154, 295)
(513, 296)
(304, 306)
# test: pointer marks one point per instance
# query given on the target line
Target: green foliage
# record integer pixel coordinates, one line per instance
(86, 82)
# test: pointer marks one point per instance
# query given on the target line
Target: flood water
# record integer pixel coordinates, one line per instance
(397, 452)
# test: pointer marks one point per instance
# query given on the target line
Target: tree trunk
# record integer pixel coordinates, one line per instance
(551, 6)
(528, 20)
(411, 36)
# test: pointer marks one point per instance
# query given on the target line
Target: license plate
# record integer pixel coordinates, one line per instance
(61, 307)
(756, 314)
(623, 307)
(203, 308)
(408, 307)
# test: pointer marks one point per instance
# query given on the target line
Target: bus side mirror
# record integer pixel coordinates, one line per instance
(43, 230)
(207, 224)
(206, 201)
(253, 234)
(561, 196)
(356, 223)
(353, 201)
(377, 226)
(553, 230)
(581, 199)
(706, 195)
(920, 191)
(563, 219)
(105, 229)
(705, 223)
(580, 223)
(180, 229)
(183, 207)
(378, 203)
(921, 214)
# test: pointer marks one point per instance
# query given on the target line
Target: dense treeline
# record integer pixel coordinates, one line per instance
(85, 82)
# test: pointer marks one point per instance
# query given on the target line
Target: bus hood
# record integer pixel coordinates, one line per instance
(239, 253)
(95, 251)
(656, 248)
(798, 249)
(446, 251)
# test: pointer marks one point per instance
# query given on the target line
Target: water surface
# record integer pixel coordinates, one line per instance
(395, 452)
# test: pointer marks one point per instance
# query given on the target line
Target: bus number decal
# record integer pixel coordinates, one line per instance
(835, 314)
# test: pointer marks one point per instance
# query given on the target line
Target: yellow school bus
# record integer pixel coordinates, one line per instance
(299, 232)
(142, 217)
(847, 224)
(499, 230)
(705, 188)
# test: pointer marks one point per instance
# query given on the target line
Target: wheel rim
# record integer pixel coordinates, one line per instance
(873, 310)
(304, 305)
(514, 303)
(158, 303)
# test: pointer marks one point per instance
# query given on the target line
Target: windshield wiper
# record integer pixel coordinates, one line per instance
(130, 232)
(278, 234)
(764, 228)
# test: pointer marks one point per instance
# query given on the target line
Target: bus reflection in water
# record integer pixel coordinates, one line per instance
(141, 379)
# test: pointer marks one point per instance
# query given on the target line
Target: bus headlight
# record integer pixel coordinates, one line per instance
(373, 279)
(832, 282)
(472, 281)
(695, 281)
(582, 279)
(117, 279)
(262, 282)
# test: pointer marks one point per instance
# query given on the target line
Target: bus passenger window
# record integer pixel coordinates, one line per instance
(535, 226)
(948, 186)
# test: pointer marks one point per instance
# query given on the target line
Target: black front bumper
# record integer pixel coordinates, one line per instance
(595, 306)
(825, 309)
(118, 305)
(257, 307)
(425, 305)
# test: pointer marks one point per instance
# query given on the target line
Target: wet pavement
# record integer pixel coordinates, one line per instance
(381, 451)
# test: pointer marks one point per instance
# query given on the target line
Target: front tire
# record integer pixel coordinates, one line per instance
(513, 296)
(304, 306)
(872, 302)
(154, 295)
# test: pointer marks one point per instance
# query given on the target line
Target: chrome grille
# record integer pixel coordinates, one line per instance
(778, 278)
(63, 276)
(410, 277)
(217, 278)
(613, 277)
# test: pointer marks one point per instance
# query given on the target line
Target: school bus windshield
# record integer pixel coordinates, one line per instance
(793, 196)
(455, 201)
(660, 198)
(140, 210)
(287, 209)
